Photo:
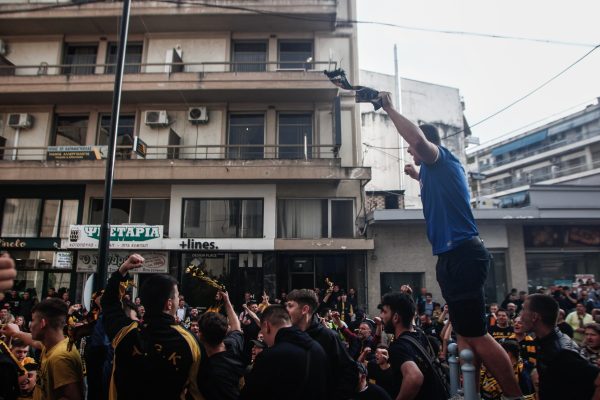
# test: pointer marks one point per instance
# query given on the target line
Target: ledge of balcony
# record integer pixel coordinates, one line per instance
(182, 171)
(163, 87)
(325, 244)
(156, 16)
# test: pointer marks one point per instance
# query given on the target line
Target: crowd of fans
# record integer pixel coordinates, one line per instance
(303, 344)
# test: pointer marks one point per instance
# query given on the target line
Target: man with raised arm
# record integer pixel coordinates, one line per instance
(463, 260)
(159, 353)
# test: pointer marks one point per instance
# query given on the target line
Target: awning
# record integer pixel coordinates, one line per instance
(520, 143)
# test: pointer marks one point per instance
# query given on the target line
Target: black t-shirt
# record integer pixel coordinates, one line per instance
(402, 351)
(219, 378)
(384, 378)
(373, 392)
(569, 376)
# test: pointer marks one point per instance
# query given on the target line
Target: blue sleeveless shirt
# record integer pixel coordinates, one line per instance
(446, 202)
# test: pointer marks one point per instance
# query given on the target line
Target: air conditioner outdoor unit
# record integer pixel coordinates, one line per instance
(198, 115)
(158, 118)
(20, 121)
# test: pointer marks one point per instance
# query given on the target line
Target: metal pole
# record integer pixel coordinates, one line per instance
(103, 246)
(454, 368)
(399, 108)
(469, 375)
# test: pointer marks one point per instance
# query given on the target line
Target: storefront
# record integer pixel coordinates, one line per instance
(34, 219)
(557, 255)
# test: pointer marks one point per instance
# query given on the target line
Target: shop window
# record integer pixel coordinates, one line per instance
(21, 217)
(223, 218)
(133, 211)
(70, 130)
(295, 130)
(315, 218)
(246, 136)
(295, 54)
(125, 133)
(79, 59)
(249, 56)
(496, 286)
(549, 268)
(133, 58)
(57, 216)
(392, 281)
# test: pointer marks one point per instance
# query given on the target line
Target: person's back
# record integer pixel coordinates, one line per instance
(293, 367)
(60, 365)
(158, 359)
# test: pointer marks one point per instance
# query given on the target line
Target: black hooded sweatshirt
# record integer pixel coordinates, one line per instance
(344, 379)
(295, 367)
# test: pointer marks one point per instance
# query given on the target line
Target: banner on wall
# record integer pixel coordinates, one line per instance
(155, 262)
(121, 237)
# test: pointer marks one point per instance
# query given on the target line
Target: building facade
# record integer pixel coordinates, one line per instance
(565, 151)
(555, 241)
(252, 170)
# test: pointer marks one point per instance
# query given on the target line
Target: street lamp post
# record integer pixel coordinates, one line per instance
(103, 246)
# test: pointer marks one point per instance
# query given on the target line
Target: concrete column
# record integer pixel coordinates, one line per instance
(516, 261)
(271, 133)
(101, 56)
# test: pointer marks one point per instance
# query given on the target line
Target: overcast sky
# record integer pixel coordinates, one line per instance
(490, 73)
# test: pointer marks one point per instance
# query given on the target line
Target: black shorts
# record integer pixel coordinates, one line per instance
(461, 274)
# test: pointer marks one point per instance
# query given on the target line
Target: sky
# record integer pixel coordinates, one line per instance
(490, 73)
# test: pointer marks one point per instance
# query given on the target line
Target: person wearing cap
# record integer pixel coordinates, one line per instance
(463, 261)
(366, 390)
(258, 345)
(357, 342)
(222, 337)
(591, 348)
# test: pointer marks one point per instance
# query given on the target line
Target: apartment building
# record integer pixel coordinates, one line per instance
(252, 170)
(565, 151)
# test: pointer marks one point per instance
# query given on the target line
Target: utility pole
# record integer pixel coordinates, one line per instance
(103, 246)
(399, 108)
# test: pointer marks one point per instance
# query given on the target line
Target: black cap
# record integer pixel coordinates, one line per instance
(258, 343)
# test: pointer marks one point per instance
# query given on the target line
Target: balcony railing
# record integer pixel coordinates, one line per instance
(551, 146)
(45, 69)
(561, 171)
(183, 152)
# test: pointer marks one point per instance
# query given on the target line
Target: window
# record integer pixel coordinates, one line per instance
(70, 130)
(83, 55)
(125, 133)
(223, 218)
(315, 218)
(38, 217)
(133, 56)
(133, 211)
(245, 130)
(295, 54)
(294, 131)
(496, 285)
(21, 217)
(249, 56)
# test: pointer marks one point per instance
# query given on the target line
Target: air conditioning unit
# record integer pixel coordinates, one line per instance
(198, 115)
(20, 121)
(158, 118)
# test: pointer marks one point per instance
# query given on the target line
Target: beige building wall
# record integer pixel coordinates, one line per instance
(213, 48)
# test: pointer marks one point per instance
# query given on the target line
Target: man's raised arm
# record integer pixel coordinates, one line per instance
(427, 151)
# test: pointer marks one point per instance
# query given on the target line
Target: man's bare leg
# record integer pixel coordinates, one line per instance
(462, 344)
(495, 359)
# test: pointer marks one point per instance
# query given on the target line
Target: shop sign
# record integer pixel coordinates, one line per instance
(562, 236)
(62, 260)
(121, 237)
(211, 245)
(584, 278)
(77, 152)
(154, 261)
(29, 243)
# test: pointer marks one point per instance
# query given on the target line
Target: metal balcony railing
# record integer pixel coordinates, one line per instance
(559, 172)
(80, 68)
(185, 152)
(542, 149)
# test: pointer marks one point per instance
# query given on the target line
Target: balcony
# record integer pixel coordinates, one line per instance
(198, 82)
(560, 171)
(156, 16)
(178, 163)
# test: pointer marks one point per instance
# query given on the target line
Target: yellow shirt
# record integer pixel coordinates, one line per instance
(59, 367)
